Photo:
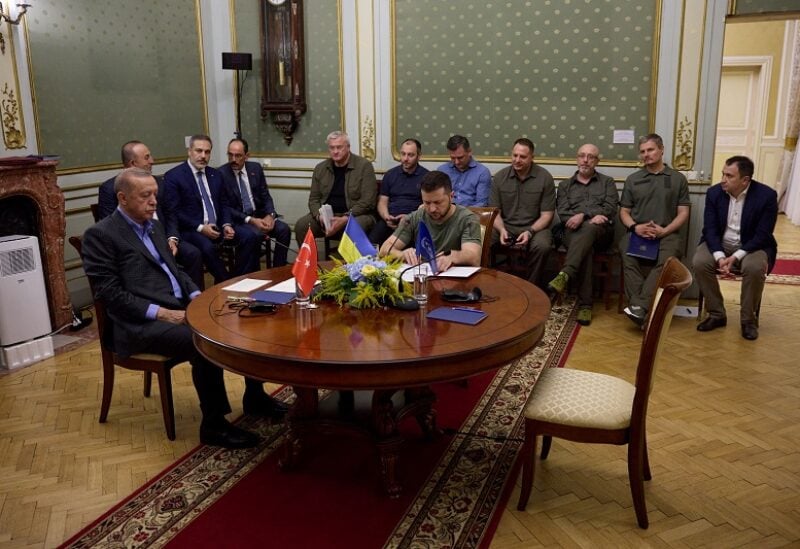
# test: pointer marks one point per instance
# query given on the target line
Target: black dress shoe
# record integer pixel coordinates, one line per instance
(749, 330)
(712, 323)
(263, 405)
(224, 434)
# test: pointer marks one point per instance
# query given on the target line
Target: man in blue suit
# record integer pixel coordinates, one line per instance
(738, 226)
(249, 201)
(136, 154)
(196, 197)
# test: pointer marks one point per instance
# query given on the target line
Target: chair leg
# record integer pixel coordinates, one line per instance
(108, 387)
(699, 305)
(148, 383)
(645, 461)
(167, 409)
(636, 479)
(546, 442)
(528, 457)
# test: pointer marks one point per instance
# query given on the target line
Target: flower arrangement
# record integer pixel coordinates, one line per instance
(365, 283)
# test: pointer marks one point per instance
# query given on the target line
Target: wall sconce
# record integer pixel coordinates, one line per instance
(23, 9)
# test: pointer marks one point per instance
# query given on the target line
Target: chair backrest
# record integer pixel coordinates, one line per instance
(487, 217)
(95, 213)
(674, 279)
(99, 309)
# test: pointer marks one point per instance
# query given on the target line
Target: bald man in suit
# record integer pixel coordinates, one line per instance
(133, 272)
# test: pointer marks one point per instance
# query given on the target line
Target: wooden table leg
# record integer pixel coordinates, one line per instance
(384, 425)
(306, 406)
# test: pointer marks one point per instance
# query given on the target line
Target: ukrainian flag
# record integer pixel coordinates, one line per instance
(354, 242)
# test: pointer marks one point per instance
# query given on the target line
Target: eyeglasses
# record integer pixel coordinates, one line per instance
(587, 156)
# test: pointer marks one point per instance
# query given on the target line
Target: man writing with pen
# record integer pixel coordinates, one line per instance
(455, 230)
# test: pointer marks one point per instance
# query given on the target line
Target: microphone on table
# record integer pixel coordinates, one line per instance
(295, 252)
(422, 259)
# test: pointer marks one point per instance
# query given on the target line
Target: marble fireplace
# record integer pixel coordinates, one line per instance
(31, 203)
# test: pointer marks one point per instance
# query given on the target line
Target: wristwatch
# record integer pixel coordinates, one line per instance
(632, 227)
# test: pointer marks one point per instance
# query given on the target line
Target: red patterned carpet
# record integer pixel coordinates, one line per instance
(787, 265)
(454, 486)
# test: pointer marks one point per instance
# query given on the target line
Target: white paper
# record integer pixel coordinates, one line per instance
(623, 136)
(452, 272)
(326, 216)
(685, 312)
(287, 286)
(246, 285)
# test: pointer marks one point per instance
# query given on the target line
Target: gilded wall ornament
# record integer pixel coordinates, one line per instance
(368, 139)
(684, 160)
(13, 137)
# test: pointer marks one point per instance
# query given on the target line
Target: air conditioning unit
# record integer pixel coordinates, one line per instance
(24, 314)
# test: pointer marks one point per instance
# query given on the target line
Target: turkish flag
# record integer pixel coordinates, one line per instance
(305, 267)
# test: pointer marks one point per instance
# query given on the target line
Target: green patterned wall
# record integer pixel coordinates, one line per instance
(107, 72)
(561, 73)
(323, 82)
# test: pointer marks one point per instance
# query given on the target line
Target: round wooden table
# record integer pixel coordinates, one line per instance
(385, 350)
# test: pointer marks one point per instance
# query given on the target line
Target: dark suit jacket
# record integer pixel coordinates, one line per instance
(127, 278)
(262, 200)
(107, 203)
(184, 200)
(759, 216)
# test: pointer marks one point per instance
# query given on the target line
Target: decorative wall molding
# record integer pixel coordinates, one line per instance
(13, 124)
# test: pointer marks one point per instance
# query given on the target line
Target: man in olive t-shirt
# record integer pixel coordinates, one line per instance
(655, 205)
(455, 230)
(526, 195)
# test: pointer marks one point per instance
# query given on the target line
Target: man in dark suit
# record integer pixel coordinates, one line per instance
(135, 154)
(133, 272)
(249, 201)
(195, 196)
(738, 225)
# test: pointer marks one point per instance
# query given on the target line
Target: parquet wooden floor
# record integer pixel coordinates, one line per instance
(724, 436)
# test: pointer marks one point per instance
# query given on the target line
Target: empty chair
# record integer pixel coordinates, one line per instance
(590, 407)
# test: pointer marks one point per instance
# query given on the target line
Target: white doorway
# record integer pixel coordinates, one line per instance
(742, 109)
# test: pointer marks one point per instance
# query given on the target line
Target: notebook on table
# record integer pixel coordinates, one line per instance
(462, 315)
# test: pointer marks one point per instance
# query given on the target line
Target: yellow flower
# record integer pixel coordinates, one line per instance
(367, 270)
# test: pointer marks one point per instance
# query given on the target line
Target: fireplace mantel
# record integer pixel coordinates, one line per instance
(37, 181)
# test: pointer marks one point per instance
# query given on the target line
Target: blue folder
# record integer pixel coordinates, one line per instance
(643, 248)
(462, 315)
(279, 298)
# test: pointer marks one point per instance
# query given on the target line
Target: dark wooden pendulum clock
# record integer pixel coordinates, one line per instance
(283, 85)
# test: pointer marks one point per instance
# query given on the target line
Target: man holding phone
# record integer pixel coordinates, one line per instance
(194, 193)
(526, 195)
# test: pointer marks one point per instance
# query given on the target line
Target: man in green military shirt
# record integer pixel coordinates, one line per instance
(526, 195)
(587, 205)
(655, 205)
(454, 228)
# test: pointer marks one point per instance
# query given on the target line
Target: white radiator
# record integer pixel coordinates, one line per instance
(24, 313)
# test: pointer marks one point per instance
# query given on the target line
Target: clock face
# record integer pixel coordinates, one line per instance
(276, 2)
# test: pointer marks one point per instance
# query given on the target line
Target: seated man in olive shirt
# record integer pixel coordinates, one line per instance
(526, 195)
(454, 229)
(587, 205)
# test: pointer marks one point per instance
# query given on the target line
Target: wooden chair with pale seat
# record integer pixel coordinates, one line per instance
(591, 407)
(149, 363)
(487, 216)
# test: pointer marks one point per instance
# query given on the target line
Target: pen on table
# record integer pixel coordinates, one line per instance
(470, 309)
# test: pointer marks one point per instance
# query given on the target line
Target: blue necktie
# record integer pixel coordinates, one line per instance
(212, 218)
(247, 204)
